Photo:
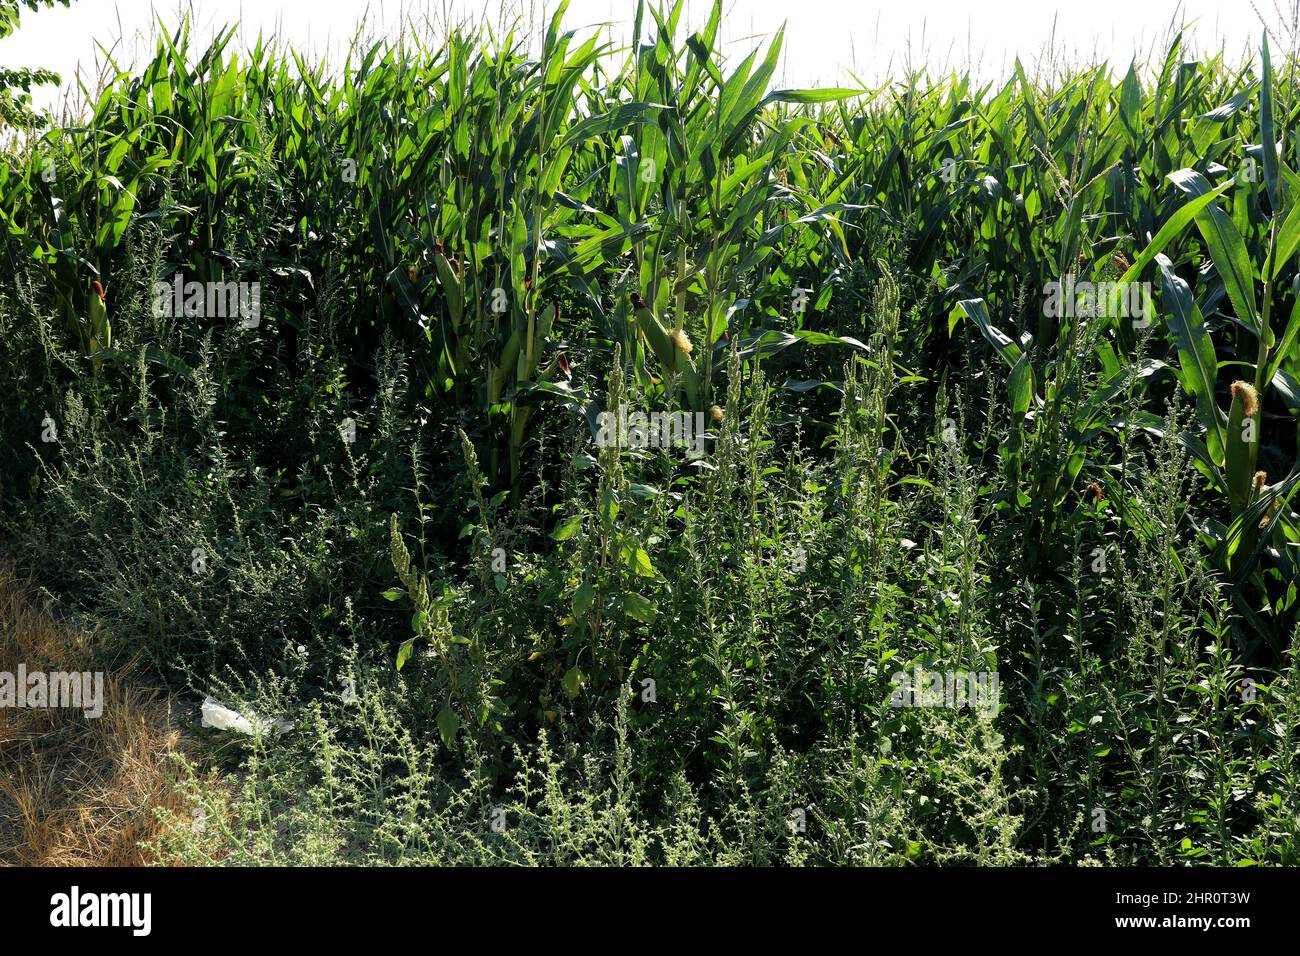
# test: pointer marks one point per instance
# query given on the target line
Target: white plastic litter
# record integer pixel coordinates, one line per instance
(349, 691)
(220, 717)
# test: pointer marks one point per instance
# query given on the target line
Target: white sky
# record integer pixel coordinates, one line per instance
(824, 38)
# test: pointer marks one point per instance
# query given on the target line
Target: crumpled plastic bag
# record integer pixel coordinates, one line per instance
(220, 717)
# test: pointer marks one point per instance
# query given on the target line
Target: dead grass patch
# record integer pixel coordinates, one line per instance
(74, 790)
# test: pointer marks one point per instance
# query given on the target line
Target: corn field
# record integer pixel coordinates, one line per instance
(597, 434)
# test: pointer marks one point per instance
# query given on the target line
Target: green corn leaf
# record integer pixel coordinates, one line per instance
(1227, 248)
(1195, 355)
(1267, 132)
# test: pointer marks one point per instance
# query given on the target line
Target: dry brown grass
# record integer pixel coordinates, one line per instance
(76, 791)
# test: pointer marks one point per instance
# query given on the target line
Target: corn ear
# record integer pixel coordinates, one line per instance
(1242, 445)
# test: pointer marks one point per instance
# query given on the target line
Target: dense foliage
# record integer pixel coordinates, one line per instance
(374, 500)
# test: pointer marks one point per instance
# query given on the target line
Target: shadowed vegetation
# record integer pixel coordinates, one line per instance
(990, 380)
